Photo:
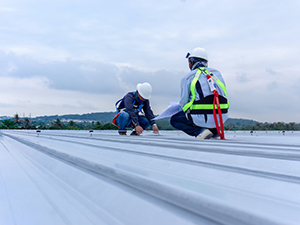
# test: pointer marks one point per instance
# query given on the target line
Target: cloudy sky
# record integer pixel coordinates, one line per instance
(81, 56)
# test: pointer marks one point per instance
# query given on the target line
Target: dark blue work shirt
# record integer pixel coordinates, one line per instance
(133, 106)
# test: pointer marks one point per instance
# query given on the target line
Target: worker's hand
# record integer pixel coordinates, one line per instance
(155, 129)
(139, 129)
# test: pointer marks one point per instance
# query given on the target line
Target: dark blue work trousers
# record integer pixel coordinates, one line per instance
(124, 121)
(180, 122)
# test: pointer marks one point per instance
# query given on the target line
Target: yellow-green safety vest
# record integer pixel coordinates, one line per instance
(206, 106)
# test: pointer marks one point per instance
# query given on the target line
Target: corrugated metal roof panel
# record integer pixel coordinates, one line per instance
(73, 177)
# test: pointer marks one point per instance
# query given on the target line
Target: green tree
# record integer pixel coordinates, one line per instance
(292, 126)
(72, 125)
(27, 123)
(109, 126)
(17, 119)
(39, 124)
(8, 124)
(98, 126)
(57, 124)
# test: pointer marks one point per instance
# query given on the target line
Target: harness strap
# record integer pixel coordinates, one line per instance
(114, 121)
(197, 105)
(217, 80)
(118, 111)
(189, 105)
(220, 129)
(116, 105)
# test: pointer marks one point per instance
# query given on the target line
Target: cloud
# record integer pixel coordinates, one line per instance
(30, 83)
(6, 9)
(87, 76)
(242, 77)
(98, 51)
(273, 86)
(33, 95)
(272, 72)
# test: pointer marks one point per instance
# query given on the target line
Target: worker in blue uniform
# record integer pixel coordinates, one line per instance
(134, 111)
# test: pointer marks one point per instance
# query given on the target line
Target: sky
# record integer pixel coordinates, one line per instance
(74, 57)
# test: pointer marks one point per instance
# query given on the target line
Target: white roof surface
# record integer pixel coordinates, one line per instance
(78, 177)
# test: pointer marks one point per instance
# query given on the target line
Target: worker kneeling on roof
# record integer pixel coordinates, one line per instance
(134, 111)
(198, 117)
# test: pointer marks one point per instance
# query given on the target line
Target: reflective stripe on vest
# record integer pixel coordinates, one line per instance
(193, 84)
(190, 105)
(209, 106)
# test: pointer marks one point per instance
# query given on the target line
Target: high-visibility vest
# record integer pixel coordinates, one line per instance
(205, 105)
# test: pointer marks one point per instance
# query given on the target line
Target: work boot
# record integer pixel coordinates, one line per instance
(134, 133)
(215, 133)
(216, 136)
(122, 133)
(205, 134)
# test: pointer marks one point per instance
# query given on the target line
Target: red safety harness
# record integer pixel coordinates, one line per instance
(117, 114)
(213, 88)
(119, 111)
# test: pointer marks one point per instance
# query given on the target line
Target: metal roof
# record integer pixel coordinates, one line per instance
(79, 177)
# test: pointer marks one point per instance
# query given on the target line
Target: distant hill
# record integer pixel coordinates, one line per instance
(107, 117)
(239, 123)
(103, 117)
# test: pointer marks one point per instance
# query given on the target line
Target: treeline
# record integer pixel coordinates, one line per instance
(59, 123)
(65, 123)
(265, 126)
(102, 117)
(56, 124)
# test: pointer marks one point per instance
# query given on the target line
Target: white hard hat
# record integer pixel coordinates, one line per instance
(144, 90)
(198, 53)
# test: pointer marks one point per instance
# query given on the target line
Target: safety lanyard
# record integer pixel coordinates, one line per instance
(213, 88)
